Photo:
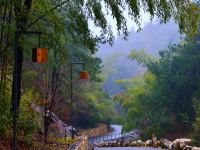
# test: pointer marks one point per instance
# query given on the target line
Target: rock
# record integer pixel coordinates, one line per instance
(148, 143)
(133, 144)
(195, 148)
(187, 148)
(165, 143)
(140, 143)
(126, 144)
(179, 143)
(159, 144)
(182, 145)
(183, 140)
(155, 141)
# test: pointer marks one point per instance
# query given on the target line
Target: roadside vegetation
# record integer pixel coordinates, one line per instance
(164, 101)
(67, 37)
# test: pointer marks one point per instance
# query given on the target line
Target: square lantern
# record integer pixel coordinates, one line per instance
(84, 75)
(39, 54)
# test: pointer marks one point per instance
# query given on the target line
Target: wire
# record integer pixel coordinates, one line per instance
(59, 5)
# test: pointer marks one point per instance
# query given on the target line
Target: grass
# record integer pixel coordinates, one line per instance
(66, 141)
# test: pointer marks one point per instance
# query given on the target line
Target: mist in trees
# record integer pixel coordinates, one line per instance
(117, 65)
(165, 99)
(66, 35)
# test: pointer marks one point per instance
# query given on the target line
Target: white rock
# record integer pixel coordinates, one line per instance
(188, 148)
(140, 143)
(195, 148)
(155, 140)
(166, 143)
(183, 140)
(180, 143)
(148, 143)
(134, 143)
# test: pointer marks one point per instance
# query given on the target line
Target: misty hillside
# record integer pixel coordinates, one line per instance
(152, 38)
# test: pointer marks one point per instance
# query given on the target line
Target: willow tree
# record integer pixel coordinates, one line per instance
(185, 13)
(24, 15)
(51, 16)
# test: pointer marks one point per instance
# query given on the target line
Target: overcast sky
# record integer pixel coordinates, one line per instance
(112, 22)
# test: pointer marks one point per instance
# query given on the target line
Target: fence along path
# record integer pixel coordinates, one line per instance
(63, 127)
(110, 137)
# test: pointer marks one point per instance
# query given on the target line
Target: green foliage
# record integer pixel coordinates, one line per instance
(144, 113)
(182, 12)
(142, 57)
(67, 37)
(163, 97)
(100, 108)
(5, 118)
(155, 123)
(196, 123)
(28, 119)
(66, 141)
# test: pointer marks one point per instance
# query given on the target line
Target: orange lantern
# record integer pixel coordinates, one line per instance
(39, 54)
(84, 75)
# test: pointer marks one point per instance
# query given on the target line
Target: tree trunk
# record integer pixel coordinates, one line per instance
(21, 22)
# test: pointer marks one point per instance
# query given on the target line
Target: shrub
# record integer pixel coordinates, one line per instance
(28, 120)
(5, 115)
(196, 123)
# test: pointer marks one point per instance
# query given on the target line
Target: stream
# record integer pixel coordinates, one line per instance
(117, 130)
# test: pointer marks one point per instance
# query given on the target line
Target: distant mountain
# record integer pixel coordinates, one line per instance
(153, 38)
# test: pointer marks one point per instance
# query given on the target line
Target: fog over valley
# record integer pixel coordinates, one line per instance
(152, 38)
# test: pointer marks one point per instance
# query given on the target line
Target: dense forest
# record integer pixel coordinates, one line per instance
(169, 87)
(47, 85)
(117, 65)
(165, 99)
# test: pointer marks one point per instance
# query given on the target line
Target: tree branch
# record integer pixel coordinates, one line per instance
(59, 5)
